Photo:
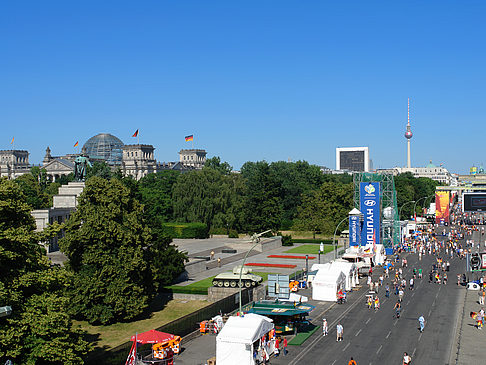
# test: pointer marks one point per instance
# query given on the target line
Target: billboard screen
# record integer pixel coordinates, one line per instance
(352, 160)
(442, 207)
(474, 202)
(369, 199)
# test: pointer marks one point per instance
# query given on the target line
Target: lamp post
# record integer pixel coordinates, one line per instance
(334, 236)
(415, 205)
(400, 211)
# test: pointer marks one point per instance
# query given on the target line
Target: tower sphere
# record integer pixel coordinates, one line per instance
(408, 134)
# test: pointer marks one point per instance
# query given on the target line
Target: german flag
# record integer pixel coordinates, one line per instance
(189, 138)
(76, 144)
(135, 134)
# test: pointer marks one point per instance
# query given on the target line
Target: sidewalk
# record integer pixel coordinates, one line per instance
(468, 347)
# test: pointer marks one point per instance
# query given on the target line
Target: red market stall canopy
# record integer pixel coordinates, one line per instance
(153, 336)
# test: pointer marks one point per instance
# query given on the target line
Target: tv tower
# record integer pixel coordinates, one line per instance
(408, 134)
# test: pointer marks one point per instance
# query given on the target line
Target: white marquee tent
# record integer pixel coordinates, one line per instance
(327, 283)
(234, 344)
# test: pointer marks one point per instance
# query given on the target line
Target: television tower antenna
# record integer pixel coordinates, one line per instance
(408, 134)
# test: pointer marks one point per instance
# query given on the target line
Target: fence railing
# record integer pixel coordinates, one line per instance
(181, 327)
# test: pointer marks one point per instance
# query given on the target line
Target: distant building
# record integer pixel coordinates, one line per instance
(138, 160)
(437, 173)
(355, 159)
(106, 147)
(14, 163)
(195, 158)
(57, 166)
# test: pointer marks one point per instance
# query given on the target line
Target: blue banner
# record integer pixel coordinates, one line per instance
(354, 230)
(369, 199)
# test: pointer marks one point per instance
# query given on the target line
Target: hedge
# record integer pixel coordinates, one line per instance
(185, 230)
(186, 290)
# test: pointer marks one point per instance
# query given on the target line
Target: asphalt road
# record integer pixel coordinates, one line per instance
(377, 337)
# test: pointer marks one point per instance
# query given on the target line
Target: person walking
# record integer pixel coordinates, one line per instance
(324, 327)
(277, 347)
(397, 308)
(212, 255)
(339, 332)
(406, 359)
(284, 344)
(421, 320)
(387, 291)
(219, 261)
(352, 362)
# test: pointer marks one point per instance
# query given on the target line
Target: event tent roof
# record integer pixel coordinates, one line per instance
(152, 336)
(246, 329)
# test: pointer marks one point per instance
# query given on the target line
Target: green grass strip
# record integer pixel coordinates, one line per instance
(301, 337)
(311, 240)
(310, 249)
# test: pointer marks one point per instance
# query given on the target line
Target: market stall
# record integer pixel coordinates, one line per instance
(245, 339)
(164, 346)
(327, 283)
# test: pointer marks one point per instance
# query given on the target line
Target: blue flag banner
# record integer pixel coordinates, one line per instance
(369, 198)
(354, 230)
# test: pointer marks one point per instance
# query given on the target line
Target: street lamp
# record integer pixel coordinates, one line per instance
(400, 211)
(415, 205)
(334, 236)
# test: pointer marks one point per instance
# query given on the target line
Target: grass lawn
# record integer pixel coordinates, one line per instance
(118, 333)
(206, 283)
(310, 249)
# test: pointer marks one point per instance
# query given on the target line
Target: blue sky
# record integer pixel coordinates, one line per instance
(251, 80)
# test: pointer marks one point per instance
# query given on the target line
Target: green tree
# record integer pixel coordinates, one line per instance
(216, 164)
(104, 242)
(324, 208)
(203, 196)
(295, 179)
(156, 196)
(33, 192)
(39, 330)
(411, 188)
(100, 169)
(263, 208)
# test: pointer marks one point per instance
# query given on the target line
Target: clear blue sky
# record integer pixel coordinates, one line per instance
(251, 80)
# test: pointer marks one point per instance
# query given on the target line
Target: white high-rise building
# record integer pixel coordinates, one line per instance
(356, 159)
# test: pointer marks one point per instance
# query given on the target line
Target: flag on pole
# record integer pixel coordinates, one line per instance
(131, 359)
(135, 134)
(189, 138)
(76, 144)
(12, 140)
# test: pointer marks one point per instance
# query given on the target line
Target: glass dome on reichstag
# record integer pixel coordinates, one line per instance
(105, 146)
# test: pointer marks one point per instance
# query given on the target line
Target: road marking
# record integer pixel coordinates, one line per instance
(420, 337)
(344, 349)
(395, 322)
(333, 362)
(413, 294)
(430, 311)
(368, 321)
(408, 302)
(379, 349)
(388, 335)
(357, 333)
(437, 294)
(413, 354)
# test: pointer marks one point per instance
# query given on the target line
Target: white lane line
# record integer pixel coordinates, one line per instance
(368, 321)
(379, 349)
(357, 333)
(408, 302)
(344, 349)
(413, 353)
(333, 362)
(420, 337)
(396, 321)
(430, 311)
(436, 295)
(413, 294)
(388, 335)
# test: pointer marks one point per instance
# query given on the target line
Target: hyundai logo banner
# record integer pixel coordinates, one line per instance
(369, 197)
(354, 230)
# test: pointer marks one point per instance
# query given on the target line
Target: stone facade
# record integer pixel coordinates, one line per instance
(56, 166)
(64, 203)
(195, 158)
(14, 163)
(138, 160)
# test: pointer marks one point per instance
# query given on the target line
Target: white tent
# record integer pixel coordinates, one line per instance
(234, 344)
(327, 283)
(350, 270)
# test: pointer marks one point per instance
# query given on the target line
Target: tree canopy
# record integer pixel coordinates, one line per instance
(39, 330)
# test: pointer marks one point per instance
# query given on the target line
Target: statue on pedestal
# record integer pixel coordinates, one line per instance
(81, 164)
